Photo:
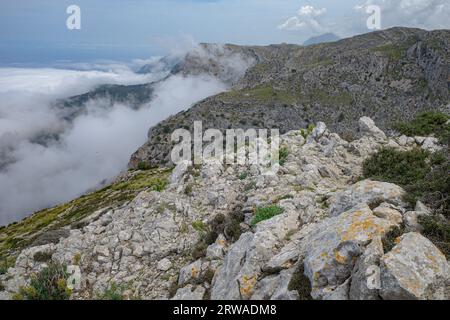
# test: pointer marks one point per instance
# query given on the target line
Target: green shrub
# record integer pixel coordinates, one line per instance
(300, 283)
(306, 132)
(243, 176)
(266, 213)
(199, 250)
(425, 177)
(49, 284)
(199, 226)
(113, 292)
(42, 256)
(425, 124)
(284, 153)
(3, 266)
(281, 198)
(159, 185)
(188, 189)
(399, 167)
(144, 165)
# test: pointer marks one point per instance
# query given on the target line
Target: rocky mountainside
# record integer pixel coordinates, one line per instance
(388, 75)
(313, 230)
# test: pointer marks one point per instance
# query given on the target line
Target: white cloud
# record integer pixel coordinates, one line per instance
(308, 18)
(426, 14)
(92, 149)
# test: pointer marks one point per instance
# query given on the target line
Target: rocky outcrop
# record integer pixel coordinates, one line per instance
(197, 238)
(414, 269)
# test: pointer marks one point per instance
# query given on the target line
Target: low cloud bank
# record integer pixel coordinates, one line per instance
(37, 172)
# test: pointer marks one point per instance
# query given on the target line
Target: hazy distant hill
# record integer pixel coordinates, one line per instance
(324, 38)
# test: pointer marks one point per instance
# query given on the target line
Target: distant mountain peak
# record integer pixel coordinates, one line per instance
(326, 37)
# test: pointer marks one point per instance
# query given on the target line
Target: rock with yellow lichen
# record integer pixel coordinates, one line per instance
(368, 192)
(334, 247)
(414, 269)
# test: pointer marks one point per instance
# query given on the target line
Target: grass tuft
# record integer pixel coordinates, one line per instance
(266, 213)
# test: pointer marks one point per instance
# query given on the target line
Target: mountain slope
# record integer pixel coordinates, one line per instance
(388, 75)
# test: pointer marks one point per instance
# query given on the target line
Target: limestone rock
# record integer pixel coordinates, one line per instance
(368, 127)
(414, 269)
(368, 192)
(334, 246)
(179, 171)
(365, 275)
(385, 211)
(190, 293)
(164, 264)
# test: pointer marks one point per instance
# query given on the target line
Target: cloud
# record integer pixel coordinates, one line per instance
(426, 14)
(308, 18)
(92, 149)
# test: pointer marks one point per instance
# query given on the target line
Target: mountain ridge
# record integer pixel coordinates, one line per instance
(389, 75)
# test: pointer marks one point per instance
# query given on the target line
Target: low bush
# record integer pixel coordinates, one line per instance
(300, 283)
(49, 284)
(399, 167)
(284, 153)
(113, 292)
(144, 165)
(424, 176)
(425, 124)
(243, 176)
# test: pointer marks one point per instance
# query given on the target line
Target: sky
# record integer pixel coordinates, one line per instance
(34, 32)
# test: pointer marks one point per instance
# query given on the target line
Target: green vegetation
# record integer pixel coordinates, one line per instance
(280, 198)
(250, 186)
(49, 284)
(392, 51)
(284, 153)
(188, 189)
(400, 167)
(243, 176)
(390, 239)
(199, 226)
(6, 263)
(300, 283)
(263, 93)
(266, 213)
(306, 132)
(19, 235)
(42, 256)
(424, 176)
(425, 124)
(228, 225)
(143, 165)
(115, 292)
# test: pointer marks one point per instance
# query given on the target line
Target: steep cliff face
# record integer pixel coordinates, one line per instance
(389, 75)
